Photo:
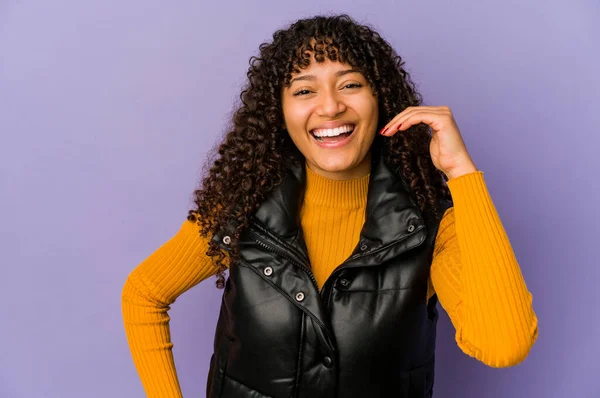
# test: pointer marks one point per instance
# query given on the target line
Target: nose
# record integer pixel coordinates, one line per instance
(330, 104)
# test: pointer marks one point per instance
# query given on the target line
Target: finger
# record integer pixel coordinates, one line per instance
(397, 120)
(432, 119)
(401, 122)
(408, 110)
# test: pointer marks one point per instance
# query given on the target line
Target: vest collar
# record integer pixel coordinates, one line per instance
(392, 214)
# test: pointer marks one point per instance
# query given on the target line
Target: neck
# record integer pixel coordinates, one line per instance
(337, 194)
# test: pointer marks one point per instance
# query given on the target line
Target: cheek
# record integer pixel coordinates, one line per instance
(296, 119)
(369, 112)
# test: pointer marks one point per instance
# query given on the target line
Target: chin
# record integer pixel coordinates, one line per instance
(334, 162)
(337, 166)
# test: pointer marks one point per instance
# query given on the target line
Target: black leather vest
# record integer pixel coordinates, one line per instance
(369, 332)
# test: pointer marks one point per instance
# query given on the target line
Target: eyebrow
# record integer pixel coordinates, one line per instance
(313, 77)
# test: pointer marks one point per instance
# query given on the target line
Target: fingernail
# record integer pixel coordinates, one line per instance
(400, 126)
(383, 131)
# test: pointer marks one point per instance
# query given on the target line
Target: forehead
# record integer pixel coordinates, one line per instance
(319, 58)
(326, 65)
(326, 69)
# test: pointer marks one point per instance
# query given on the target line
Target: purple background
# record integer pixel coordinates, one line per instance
(108, 108)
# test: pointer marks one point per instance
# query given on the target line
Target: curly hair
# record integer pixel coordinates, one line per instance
(257, 152)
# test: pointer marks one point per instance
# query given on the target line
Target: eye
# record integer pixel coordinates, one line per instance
(353, 85)
(301, 92)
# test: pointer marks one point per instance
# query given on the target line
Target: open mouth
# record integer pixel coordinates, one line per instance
(333, 135)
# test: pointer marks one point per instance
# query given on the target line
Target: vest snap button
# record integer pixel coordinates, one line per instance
(328, 362)
(344, 282)
(363, 247)
(226, 240)
(411, 228)
(299, 296)
(268, 271)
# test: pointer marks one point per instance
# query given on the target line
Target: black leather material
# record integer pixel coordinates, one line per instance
(368, 333)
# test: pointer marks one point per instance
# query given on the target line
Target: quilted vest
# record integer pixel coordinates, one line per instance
(369, 332)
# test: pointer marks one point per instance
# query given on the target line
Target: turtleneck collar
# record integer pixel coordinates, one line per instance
(339, 194)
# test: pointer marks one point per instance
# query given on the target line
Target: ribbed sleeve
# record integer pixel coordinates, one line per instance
(149, 290)
(478, 279)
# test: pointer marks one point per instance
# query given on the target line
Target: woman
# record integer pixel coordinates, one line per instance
(339, 241)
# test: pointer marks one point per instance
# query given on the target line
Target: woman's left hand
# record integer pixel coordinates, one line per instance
(448, 151)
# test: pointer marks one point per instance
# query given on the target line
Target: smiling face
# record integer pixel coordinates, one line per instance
(331, 115)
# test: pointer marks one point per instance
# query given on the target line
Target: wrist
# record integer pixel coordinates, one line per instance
(460, 171)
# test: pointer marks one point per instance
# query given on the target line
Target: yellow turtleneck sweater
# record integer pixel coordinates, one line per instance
(474, 273)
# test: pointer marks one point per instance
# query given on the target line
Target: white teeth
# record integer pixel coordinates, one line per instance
(333, 132)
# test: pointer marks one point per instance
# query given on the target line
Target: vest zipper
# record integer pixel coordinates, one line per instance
(273, 248)
(286, 254)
